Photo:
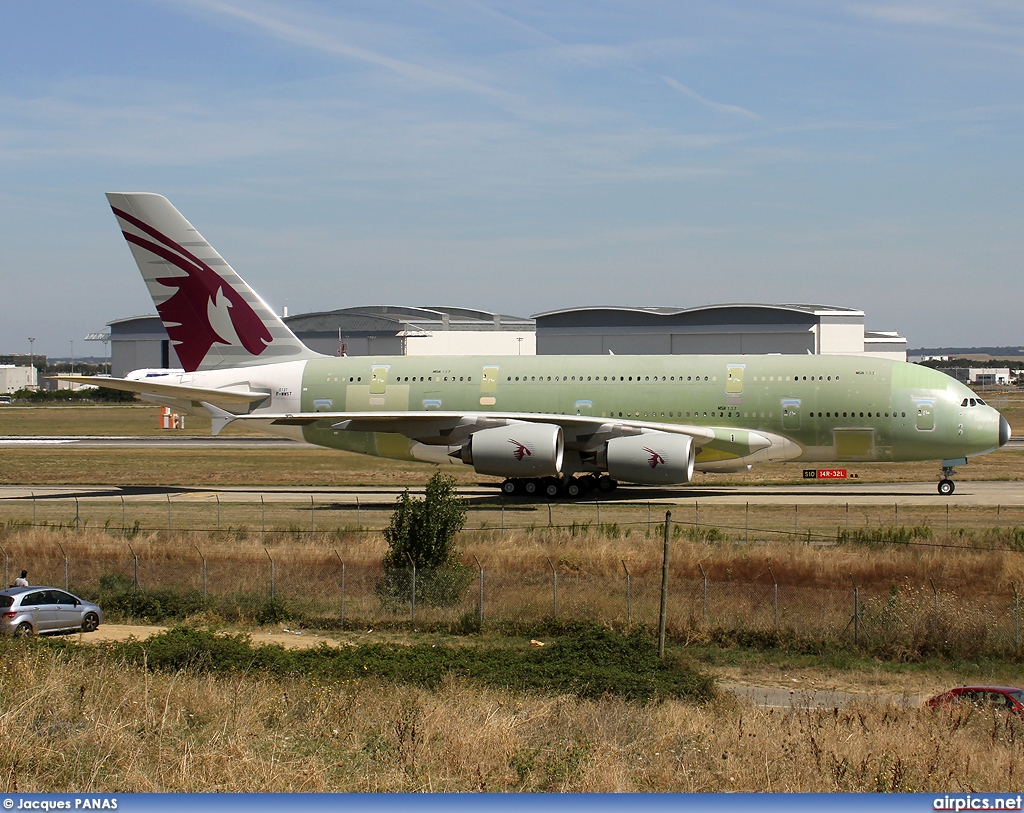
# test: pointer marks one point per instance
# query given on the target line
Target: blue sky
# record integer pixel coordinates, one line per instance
(522, 156)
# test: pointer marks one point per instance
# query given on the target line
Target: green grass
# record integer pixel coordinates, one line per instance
(585, 661)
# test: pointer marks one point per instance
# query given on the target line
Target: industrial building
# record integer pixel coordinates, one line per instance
(14, 378)
(384, 330)
(141, 341)
(714, 329)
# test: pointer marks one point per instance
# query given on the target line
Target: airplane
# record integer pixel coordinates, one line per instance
(549, 425)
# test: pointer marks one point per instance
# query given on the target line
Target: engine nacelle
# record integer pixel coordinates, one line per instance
(520, 450)
(654, 458)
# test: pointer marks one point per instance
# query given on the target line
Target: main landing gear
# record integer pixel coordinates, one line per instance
(555, 487)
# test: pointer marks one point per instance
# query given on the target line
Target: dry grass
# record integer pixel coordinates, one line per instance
(84, 723)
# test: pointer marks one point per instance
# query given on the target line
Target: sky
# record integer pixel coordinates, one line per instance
(522, 156)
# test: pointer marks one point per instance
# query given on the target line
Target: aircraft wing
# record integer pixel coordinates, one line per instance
(233, 397)
(582, 432)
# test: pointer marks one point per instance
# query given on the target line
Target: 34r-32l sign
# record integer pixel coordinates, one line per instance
(824, 474)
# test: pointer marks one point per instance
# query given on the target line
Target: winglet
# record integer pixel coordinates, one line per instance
(219, 417)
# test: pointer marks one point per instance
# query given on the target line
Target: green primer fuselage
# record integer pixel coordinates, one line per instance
(835, 408)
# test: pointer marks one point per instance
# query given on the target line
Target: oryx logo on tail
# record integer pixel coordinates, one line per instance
(655, 459)
(521, 450)
(204, 309)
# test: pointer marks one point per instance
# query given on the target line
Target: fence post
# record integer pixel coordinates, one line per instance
(856, 612)
(796, 519)
(629, 595)
(554, 589)
(359, 524)
(342, 584)
(550, 520)
(218, 510)
(168, 513)
(480, 604)
(76, 513)
(704, 600)
(896, 512)
(746, 524)
(34, 512)
(696, 519)
(7, 571)
(775, 592)
(597, 505)
(263, 524)
(67, 580)
(502, 515)
(204, 571)
(411, 562)
(1016, 619)
(312, 516)
(664, 586)
(122, 516)
(135, 560)
(999, 523)
(273, 574)
(935, 593)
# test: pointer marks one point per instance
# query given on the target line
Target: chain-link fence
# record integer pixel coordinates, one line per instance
(318, 586)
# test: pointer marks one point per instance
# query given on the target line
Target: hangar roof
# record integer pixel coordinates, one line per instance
(733, 313)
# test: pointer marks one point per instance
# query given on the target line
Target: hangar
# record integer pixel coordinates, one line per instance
(713, 329)
(385, 330)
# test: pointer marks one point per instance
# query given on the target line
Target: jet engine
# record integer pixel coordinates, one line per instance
(518, 450)
(654, 458)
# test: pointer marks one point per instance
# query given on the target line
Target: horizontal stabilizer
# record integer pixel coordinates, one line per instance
(231, 396)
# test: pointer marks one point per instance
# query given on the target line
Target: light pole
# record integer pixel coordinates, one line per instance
(72, 357)
(32, 358)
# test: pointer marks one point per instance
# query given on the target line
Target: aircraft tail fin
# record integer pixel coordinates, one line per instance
(213, 318)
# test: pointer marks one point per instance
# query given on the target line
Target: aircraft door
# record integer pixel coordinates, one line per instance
(734, 379)
(925, 416)
(791, 413)
(379, 379)
(489, 385)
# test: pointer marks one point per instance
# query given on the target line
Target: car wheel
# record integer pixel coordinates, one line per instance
(23, 629)
(90, 622)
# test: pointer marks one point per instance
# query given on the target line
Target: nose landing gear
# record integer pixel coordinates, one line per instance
(946, 484)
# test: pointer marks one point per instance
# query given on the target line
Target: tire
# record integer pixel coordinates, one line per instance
(573, 489)
(530, 487)
(605, 484)
(946, 487)
(90, 622)
(552, 489)
(23, 630)
(510, 487)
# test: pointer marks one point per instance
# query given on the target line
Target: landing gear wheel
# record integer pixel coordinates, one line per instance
(946, 487)
(510, 487)
(607, 484)
(530, 487)
(573, 489)
(552, 488)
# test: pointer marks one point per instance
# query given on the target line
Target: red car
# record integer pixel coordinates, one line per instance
(1006, 698)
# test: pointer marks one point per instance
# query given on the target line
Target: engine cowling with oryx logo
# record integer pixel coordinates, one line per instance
(518, 450)
(654, 458)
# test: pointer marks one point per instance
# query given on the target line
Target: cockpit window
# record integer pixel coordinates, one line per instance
(974, 402)
(963, 402)
(982, 402)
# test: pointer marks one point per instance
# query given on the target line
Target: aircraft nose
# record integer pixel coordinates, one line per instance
(1004, 431)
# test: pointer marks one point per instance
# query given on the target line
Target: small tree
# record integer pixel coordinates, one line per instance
(423, 531)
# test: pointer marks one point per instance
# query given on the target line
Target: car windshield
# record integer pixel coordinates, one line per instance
(1017, 695)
